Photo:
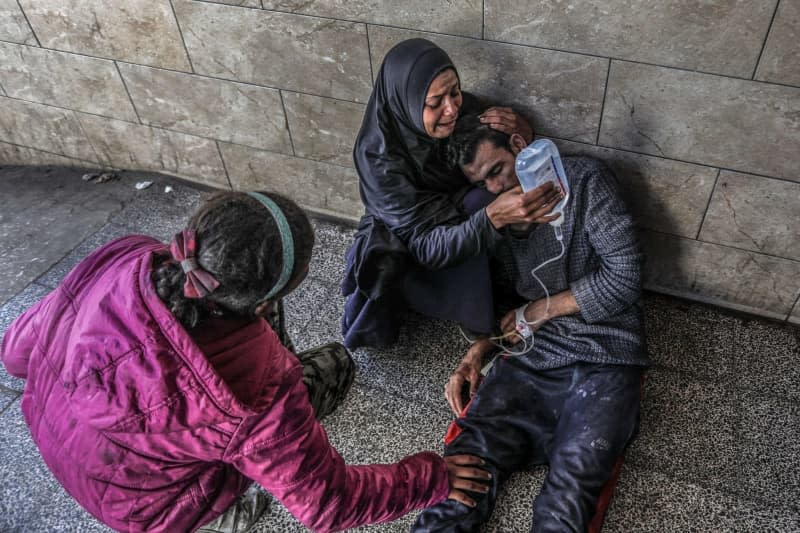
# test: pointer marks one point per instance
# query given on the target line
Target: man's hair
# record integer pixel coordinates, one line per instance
(467, 136)
(239, 243)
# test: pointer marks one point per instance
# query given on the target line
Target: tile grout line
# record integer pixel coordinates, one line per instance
(369, 55)
(725, 246)
(766, 39)
(685, 161)
(13, 399)
(708, 204)
(30, 26)
(39, 280)
(603, 105)
(210, 76)
(161, 128)
(483, 20)
(585, 54)
(616, 148)
(482, 38)
(620, 149)
(49, 152)
(286, 123)
(86, 136)
(180, 32)
(794, 306)
(128, 92)
(198, 74)
(224, 166)
(98, 162)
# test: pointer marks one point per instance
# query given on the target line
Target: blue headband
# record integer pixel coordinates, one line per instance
(286, 241)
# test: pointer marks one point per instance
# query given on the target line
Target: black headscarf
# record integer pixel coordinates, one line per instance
(404, 180)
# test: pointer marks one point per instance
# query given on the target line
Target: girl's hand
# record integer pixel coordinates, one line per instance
(464, 475)
(508, 121)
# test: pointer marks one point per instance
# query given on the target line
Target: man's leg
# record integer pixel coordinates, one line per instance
(506, 424)
(599, 417)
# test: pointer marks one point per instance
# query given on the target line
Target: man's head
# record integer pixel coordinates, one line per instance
(485, 155)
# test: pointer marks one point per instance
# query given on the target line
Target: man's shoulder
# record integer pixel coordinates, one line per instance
(585, 171)
(583, 164)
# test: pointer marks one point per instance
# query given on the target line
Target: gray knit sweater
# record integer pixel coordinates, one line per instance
(601, 264)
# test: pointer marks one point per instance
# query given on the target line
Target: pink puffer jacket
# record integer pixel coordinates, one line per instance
(138, 426)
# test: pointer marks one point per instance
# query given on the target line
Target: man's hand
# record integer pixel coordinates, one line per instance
(535, 315)
(538, 313)
(508, 121)
(464, 475)
(516, 207)
(468, 371)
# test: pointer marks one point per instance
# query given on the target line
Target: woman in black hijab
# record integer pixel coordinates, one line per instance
(424, 237)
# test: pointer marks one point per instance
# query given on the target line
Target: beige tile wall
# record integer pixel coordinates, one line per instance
(694, 105)
(13, 26)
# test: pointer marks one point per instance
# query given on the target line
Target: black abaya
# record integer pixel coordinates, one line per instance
(414, 224)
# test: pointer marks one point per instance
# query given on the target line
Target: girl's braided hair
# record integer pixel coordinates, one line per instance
(238, 242)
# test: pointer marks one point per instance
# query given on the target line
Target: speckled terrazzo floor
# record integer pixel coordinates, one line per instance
(719, 448)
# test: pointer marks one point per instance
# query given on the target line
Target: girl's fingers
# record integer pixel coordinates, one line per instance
(473, 486)
(460, 497)
(465, 459)
(469, 472)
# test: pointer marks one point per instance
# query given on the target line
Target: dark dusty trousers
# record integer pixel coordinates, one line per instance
(328, 372)
(577, 418)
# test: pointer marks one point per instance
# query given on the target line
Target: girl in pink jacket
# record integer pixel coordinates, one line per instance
(157, 392)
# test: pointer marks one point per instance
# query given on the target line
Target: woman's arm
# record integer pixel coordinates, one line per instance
(437, 239)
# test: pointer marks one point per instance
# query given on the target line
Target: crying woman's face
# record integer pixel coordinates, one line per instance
(442, 103)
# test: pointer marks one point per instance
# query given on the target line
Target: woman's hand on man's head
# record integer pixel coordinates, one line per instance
(508, 121)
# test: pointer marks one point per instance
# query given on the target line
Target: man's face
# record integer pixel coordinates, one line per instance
(493, 166)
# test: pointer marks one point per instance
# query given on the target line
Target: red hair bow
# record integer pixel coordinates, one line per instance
(199, 282)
